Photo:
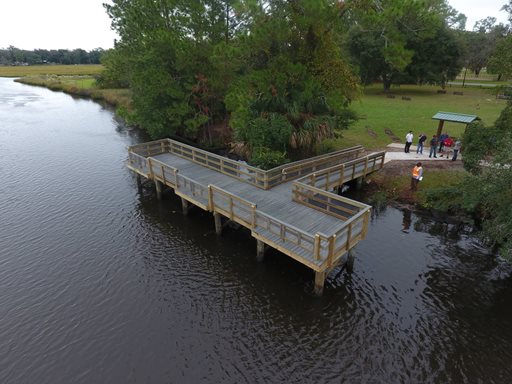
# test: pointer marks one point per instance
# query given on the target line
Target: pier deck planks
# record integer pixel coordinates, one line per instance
(276, 202)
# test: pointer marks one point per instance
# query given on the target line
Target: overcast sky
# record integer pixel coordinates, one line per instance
(69, 24)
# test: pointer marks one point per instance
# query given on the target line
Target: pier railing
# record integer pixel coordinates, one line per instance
(317, 250)
(335, 176)
(240, 170)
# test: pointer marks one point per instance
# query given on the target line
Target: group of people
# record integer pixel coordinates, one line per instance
(444, 142)
(441, 144)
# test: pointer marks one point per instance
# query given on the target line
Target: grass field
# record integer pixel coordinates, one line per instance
(379, 113)
(38, 70)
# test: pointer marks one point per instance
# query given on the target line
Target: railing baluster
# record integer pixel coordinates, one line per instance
(317, 247)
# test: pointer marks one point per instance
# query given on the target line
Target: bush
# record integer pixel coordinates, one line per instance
(326, 146)
(266, 158)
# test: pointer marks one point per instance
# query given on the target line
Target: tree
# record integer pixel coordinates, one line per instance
(386, 35)
(436, 60)
(296, 87)
(501, 61)
(272, 69)
(488, 157)
(166, 51)
(480, 44)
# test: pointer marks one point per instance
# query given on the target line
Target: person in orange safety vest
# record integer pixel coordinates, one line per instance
(417, 176)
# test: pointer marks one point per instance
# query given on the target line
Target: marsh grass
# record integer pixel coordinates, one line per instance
(82, 86)
(39, 70)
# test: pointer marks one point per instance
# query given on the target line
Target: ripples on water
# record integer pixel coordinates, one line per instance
(101, 284)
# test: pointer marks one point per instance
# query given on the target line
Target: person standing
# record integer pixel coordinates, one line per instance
(421, 141)
(456, 149)
(433, 146)
(441, 141)
(408, 141)
(417, 176)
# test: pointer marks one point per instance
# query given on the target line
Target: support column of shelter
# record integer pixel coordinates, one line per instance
(440, 127)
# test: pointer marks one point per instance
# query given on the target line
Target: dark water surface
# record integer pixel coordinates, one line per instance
(99, 284)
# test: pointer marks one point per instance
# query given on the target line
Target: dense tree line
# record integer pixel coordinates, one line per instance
(16, 56)
(279, 73)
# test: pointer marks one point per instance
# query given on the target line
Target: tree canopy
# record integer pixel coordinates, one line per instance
(15, 56)
(272, 70)
(488, 157)
(278, 75)
(398, 41)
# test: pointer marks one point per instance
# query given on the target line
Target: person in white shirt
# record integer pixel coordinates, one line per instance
(408, 141)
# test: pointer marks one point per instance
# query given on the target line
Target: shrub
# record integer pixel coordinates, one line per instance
(266, 158)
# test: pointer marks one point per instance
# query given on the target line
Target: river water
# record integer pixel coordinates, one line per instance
(102, 284)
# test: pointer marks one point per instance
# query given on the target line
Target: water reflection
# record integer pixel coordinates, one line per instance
(102, 283)
(406, 222)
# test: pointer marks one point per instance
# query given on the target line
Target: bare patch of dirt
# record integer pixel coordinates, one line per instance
(399, 168)
(371, 132)
(391, 135)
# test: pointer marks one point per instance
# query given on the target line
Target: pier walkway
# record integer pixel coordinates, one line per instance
(290, 208)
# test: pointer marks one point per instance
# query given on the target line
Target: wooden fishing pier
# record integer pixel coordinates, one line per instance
(290, 208)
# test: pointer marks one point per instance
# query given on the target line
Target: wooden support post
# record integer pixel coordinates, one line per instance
(158, 186)
(218, 223)
(319, 283)
(350, 261)
(260, 250)
(359, 183)
(184, 206)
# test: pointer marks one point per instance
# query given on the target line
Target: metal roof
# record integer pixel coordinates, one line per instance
(455, 117)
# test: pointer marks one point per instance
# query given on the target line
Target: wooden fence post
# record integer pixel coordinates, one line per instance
(253, 207)
(332, 243)
(317, 247)
(210, 199)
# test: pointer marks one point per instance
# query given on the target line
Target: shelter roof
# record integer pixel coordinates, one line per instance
(455, 117)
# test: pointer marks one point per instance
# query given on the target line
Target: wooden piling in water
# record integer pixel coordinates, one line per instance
(260, 250)
(184, 206)
(350, 261)
(218, 223)
(319, 282)
(158, 186)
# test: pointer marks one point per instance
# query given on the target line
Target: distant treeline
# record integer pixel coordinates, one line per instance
(16, 56)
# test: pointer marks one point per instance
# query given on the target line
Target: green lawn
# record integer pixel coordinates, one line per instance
(38, 70)
(378, 113)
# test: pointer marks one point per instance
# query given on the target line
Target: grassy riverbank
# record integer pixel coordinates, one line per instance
(393, 184)
(84, 86)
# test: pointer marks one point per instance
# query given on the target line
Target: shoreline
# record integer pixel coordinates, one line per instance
(82, 86)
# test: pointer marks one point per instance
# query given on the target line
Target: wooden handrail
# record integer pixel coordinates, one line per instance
(324, 248)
